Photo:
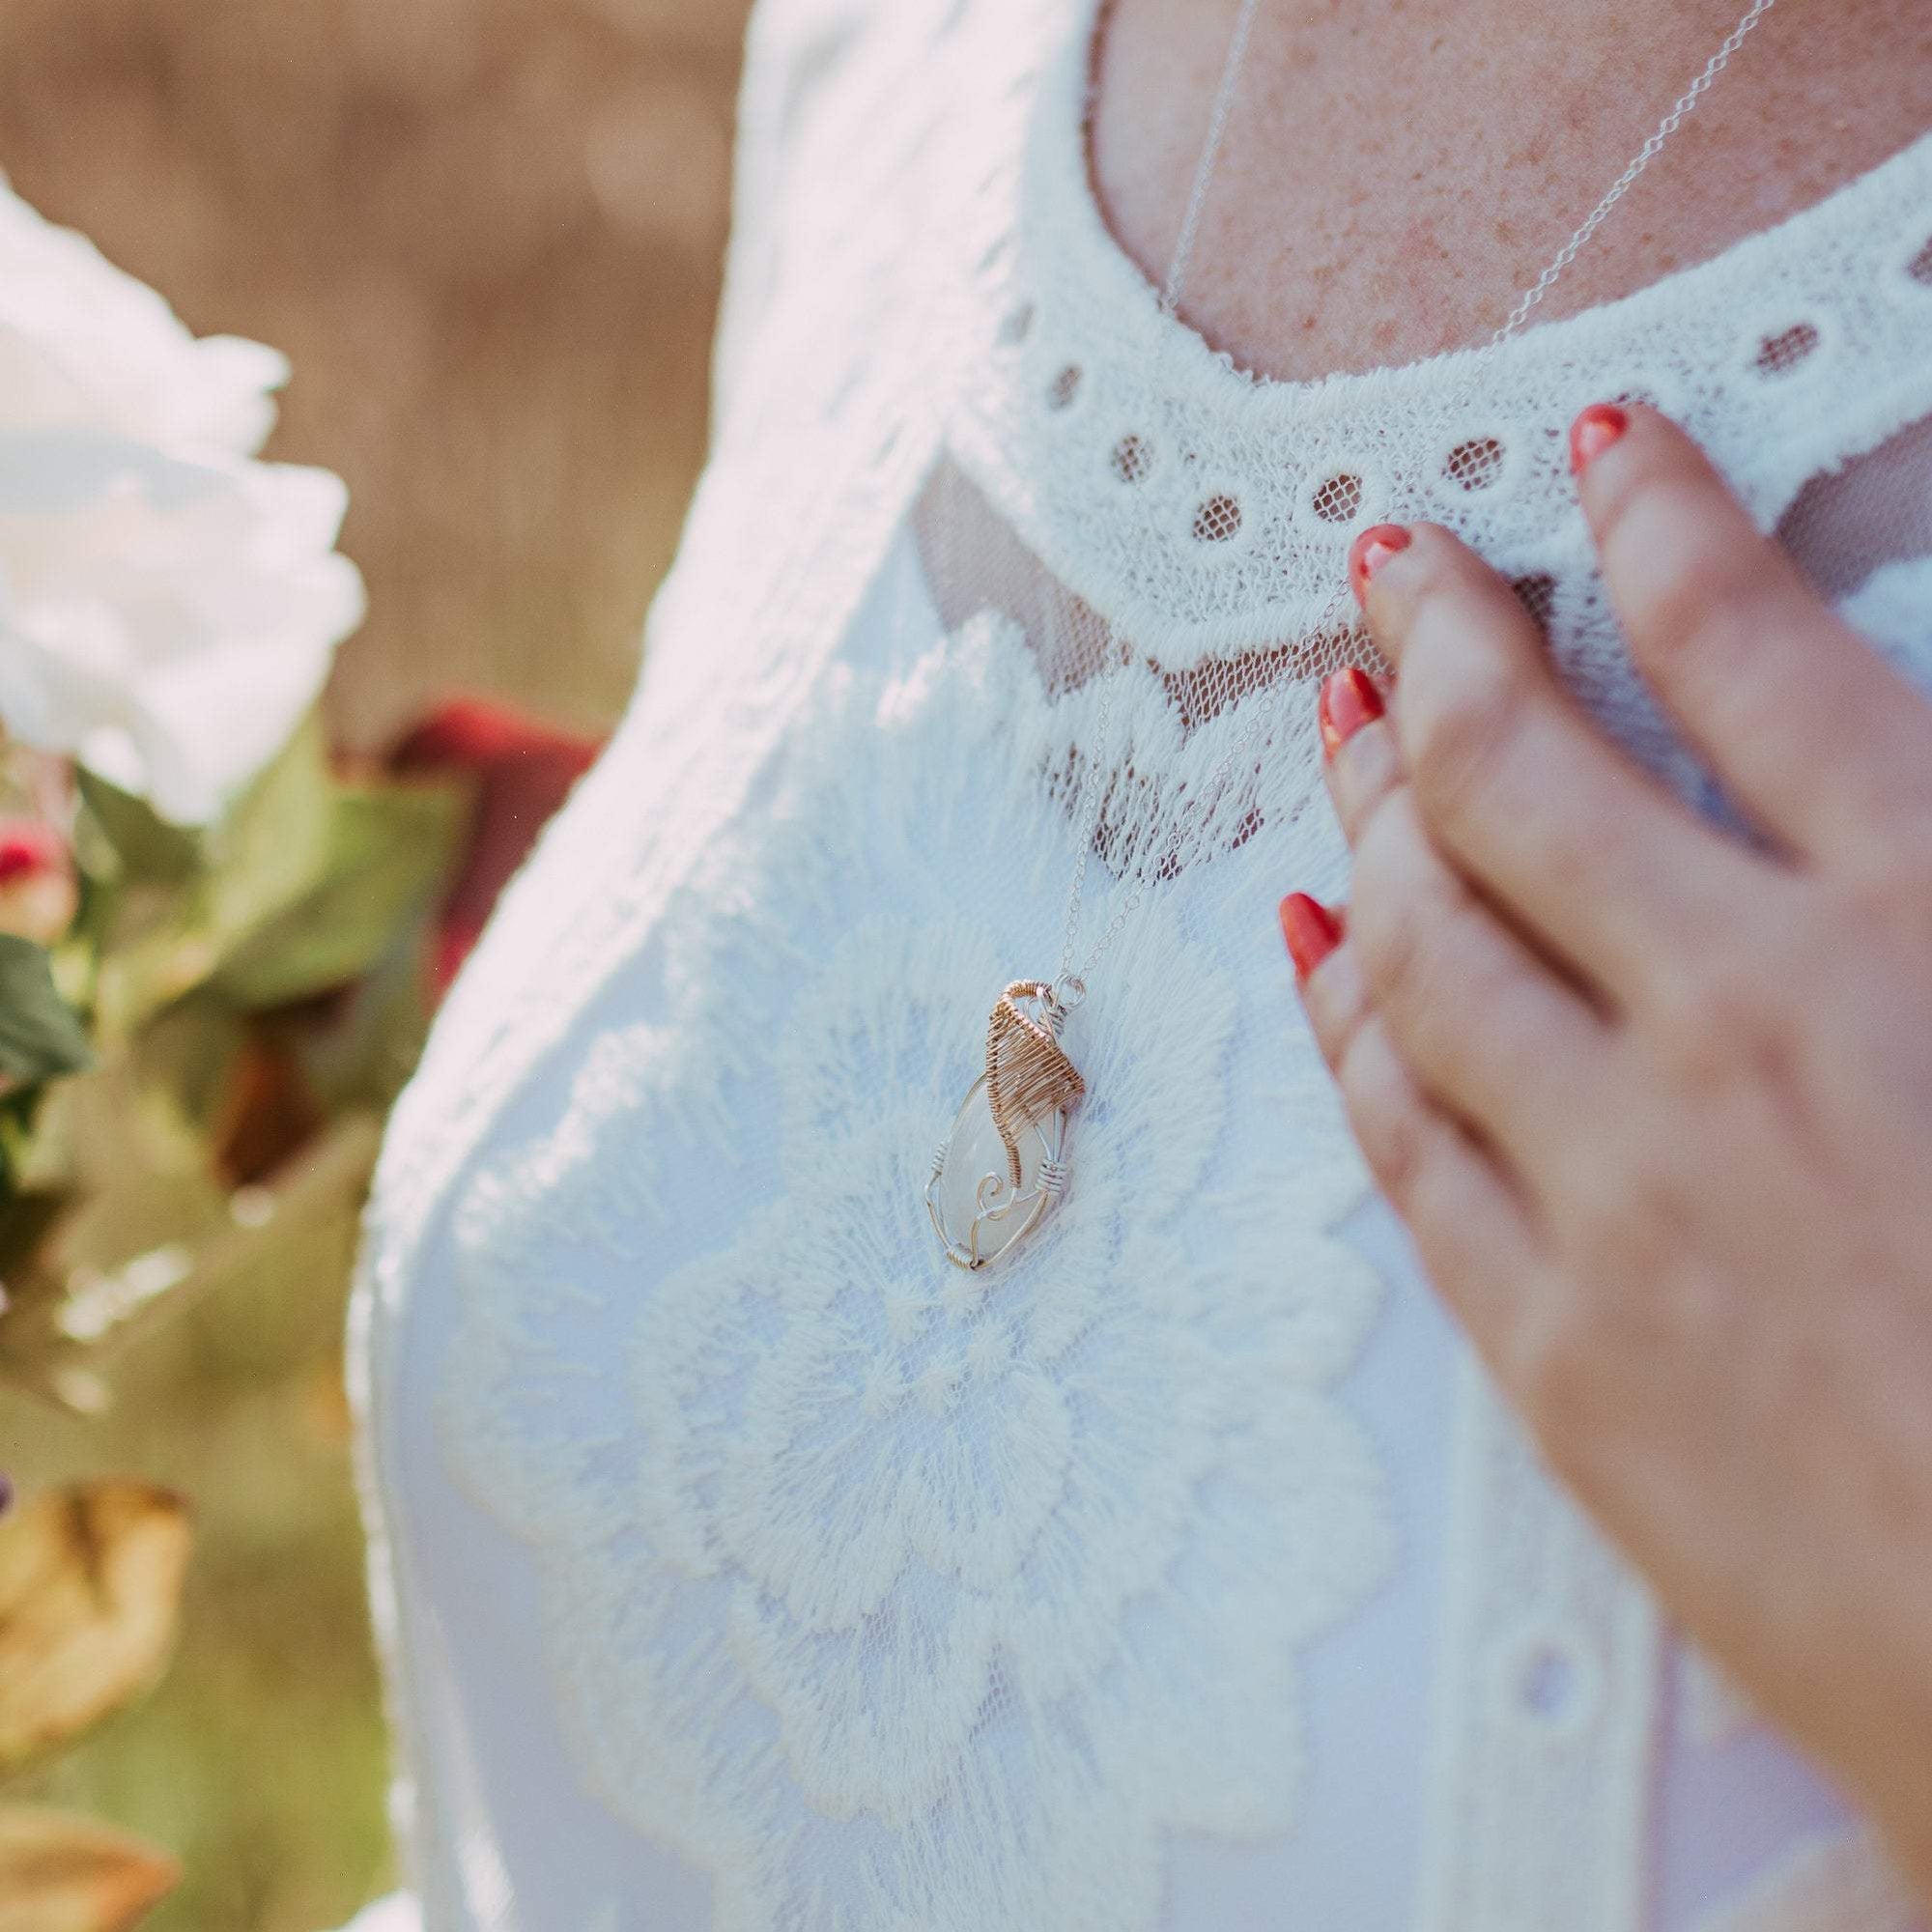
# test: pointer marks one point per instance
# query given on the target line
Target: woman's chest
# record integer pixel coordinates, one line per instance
(785, 1467)
(760, 1080)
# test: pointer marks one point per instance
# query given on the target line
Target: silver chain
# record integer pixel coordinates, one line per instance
(1070, 987)
(1211, 152)
(1628, 179)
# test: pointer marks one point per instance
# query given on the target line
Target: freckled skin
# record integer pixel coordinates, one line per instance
(1398, 171)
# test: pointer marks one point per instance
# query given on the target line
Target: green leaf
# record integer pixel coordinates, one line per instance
(387, 852)
(364, 1054)
(41, 1036)
(274, 842)
(145, 846)
(269, 851)
(179, 1067)
(299, 889)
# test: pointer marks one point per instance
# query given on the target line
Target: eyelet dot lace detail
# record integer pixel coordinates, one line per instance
(1339, 498)
(1017, 326)
(1550, 1678)
(1475, 465)
(1780, 354)
(997, 251)
(1132, 459)
(1471, 439)
(1537, 594)
(1217, 519)
(1064, 388)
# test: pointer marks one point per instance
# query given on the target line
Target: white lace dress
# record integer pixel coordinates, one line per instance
(741, 1564)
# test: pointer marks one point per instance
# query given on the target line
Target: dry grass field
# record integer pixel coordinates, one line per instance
(488, 233)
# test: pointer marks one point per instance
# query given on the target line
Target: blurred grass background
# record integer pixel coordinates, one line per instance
(488, 234)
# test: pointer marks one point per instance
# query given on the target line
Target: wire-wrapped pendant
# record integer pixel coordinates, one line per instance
(1004, 1164)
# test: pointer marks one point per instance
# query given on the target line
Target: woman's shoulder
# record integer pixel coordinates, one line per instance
(842, 125)
(808, 62)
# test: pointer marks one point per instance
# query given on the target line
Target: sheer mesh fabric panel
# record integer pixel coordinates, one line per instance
(1846, 528)
(1150, 824)
(1876, 511)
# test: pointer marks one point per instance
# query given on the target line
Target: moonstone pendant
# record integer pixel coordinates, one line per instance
(1004, 1164)
(977, 1211)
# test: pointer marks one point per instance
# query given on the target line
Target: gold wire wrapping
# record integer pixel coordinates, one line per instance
(1028, 1076)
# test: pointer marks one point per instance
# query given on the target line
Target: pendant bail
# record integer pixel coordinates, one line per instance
(1028, 1074)
(1067, 992)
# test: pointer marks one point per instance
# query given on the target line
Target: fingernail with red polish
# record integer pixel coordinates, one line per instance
(1311, 929)
(1349, 701)
(1370, 552)
(1593, 432)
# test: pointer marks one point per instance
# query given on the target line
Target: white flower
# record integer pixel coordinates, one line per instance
(169, 607)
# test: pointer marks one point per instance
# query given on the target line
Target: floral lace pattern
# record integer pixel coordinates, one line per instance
(977, 1584)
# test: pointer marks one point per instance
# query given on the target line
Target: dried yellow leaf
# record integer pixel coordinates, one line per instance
(90, 1590)
(63, 1874)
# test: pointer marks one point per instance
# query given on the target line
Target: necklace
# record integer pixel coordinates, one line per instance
(1004, 1163)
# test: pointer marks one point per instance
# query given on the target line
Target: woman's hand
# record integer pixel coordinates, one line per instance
(1656, 1106)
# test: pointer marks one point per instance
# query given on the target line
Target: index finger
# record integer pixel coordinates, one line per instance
(1815, 735)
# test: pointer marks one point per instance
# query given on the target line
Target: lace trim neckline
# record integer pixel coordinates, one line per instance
(1206, 509)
